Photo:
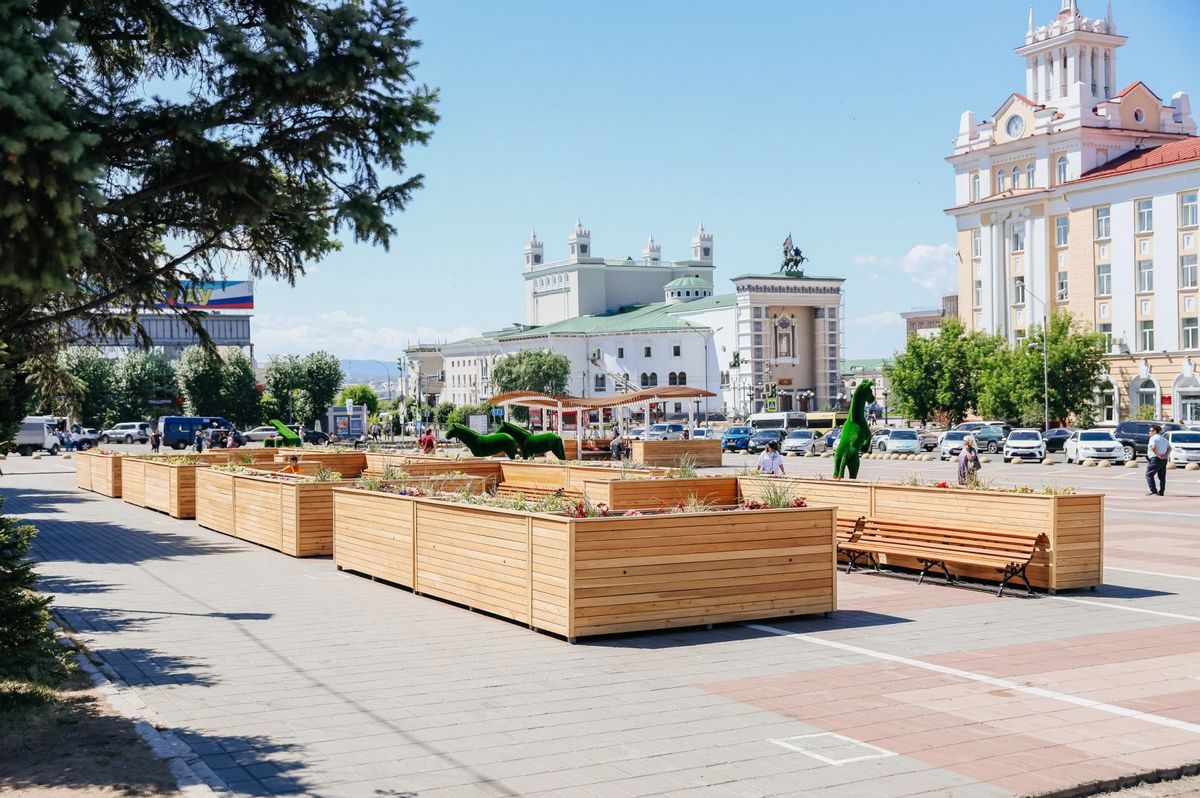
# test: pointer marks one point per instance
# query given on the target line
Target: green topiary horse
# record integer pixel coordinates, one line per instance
(484, 445)
(532, 443)
(855, 439)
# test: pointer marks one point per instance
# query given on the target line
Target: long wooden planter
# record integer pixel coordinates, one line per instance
(580, 577)
(160, 485)
(706, 453)
(215, 492)
(1073, 524)
(348, 464)
(652, 494)
(99, 472)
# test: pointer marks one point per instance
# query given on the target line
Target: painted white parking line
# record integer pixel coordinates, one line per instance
(1152, 573)
(1108, 606)
(1006, 684)
(823, 745)
(1131, 511)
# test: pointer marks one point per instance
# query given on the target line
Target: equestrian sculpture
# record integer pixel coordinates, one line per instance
(532, 443)
(793, 258)
(483, 445)
(855, 439)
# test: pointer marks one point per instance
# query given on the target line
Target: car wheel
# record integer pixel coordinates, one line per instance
(993, 447)
(104, 439)
(54, 450)
(128, 439)
(179, 445)
(1130, 454)
(24, 451)
(84, 446)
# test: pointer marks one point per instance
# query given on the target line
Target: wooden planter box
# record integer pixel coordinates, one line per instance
(160, 485)
(99, 472)
(215, 493)
(487, 469)
(651, 494)
(1073, 524)
(705, 452)
(580, 577)
(348, 464)
(290, 516)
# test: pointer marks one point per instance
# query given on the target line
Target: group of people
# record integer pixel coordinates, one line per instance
(770, 462)
(210, 439)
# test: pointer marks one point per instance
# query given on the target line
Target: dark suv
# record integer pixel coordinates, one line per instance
(1135, 435)
(990, 438)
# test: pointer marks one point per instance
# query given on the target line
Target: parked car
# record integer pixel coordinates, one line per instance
(1094, 444)
(179, 432)
(758, 441)
(703, 434)
(260, 433)
(1024, 444)
(635, 434)
(85, 437)
(736, 438)
(37, 433)
(665, 432)
(929, 438)
(903, 441)
(309, 435)
(1056, 438)
(990, 439)
(975, 426)
(1185, 446)
(1134, 435)
(126, 432)
(799, 441)
(952, 443)
(879, 438)
(831, 437)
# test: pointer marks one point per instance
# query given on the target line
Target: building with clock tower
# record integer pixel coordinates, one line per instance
(1080, 195)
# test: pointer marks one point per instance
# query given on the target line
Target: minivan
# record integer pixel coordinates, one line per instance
(179, 432)
(1135, 435)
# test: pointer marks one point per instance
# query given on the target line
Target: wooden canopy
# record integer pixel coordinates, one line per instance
(658, 394)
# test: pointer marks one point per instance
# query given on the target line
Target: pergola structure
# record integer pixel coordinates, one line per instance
(644, 397)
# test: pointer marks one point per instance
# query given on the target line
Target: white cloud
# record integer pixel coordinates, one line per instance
(932, 267)
(877, 322)
(346, 335)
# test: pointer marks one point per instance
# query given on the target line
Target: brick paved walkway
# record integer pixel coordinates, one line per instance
(289, 677)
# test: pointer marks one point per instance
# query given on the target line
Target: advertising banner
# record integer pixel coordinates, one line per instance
(214, 295)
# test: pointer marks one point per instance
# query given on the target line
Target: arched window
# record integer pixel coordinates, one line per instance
(1062, 169)
(671, 379)
(1016, 176)
(645, 380)
(1001, 181)
(653, 379)
(1029, 172)
(682, 378)
(1147, 394)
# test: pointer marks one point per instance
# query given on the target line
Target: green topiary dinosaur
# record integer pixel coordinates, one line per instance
(855, 439)
(484, 445)
(532, 443)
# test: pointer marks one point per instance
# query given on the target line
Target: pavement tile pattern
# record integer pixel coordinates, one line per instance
(288, 677)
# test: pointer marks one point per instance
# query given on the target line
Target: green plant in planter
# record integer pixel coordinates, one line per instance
(372, 483)
(325, 474)
(686, 468)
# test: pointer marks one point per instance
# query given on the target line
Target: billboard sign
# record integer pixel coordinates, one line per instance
(212, 295)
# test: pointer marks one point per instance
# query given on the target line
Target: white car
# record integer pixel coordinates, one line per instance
(1185, 446)
(260, 433)
(799, 441)
(902, 441)
(1094, 444)
(1024, 443)
(665, 432)
(703, 433)
(635, 434)
(126, 432)
(952, 443)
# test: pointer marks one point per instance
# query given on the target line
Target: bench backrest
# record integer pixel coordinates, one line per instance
(992, 543)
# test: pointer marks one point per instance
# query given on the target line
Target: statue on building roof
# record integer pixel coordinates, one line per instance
(793, 258)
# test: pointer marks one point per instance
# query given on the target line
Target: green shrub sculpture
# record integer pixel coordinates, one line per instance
(855, 439)
(484, 445)
(533, 443)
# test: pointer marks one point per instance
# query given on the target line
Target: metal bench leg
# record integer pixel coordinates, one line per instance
(924, 571)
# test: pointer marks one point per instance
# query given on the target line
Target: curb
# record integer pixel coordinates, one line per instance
(1119, 783)
(194, 777)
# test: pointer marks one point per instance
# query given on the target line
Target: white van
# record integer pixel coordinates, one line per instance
(38, 433)
(785, 421)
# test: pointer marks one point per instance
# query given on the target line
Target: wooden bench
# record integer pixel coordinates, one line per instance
(940, 547)
(534, 493)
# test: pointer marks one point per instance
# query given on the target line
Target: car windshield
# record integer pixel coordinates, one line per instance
(1024, 435)
(800, 433)
(1096, 436)
(738, 431)
(767, 435)
(955, 435)
(659, 428)
(1185, 437)
(904, 435)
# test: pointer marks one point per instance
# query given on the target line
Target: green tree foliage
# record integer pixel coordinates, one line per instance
(442, 412)
(288, 133)
(239, 389)
(913, 393)
(199, 374)
(359, 395)
(532, 370)
(144, 387)
(98, 376)
(28, 651)
(304, 386)
(15, 395)
(461, 414)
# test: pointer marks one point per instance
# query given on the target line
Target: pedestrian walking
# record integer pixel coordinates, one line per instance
(615, 445)
(155, 441)
(199, 442)
(1157, 449)
(427, 441)
(771, 461)
(968, 461)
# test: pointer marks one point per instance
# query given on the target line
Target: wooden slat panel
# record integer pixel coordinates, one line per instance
(644, 494)
(372, 535)
(214, 500)
(706, 453)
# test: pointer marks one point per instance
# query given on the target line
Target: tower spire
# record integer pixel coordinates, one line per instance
(1030, 34)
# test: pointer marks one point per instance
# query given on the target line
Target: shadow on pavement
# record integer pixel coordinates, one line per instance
(1123, 592)
(726, 633)
(62, 585)
(46, 501)
(104, 542)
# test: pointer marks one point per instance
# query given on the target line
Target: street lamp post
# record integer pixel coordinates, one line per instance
(886, 393)
(388, 371)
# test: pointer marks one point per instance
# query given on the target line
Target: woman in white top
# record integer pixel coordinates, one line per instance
(771, 461)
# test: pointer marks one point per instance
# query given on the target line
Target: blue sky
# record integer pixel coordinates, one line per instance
(827, 120)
